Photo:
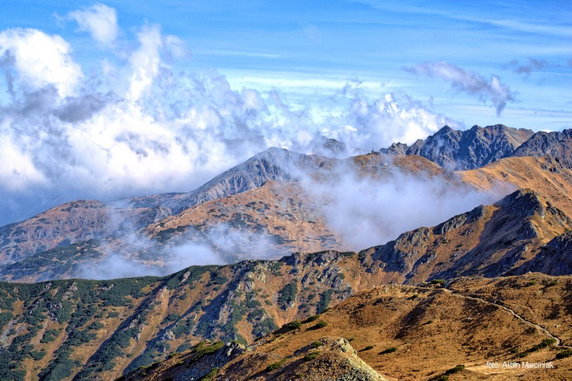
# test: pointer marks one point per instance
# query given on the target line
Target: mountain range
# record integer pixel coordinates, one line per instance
(289, 300)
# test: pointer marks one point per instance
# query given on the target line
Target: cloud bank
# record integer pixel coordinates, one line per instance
(368, 211)
(134, 124)
(468, 82)
(33, 60)
(220, 244)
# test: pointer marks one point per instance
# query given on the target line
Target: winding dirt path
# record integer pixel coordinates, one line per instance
(558, 341)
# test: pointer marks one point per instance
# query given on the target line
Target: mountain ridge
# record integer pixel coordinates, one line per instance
(114, 327)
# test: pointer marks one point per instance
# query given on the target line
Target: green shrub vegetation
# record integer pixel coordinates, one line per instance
(318, 325)
(183, 347)
(456, 369)
(565, 353)
(210, 375)
(274, 366)
(5, 317)
(203, 349)
(49, 336)
(543, 344)
(311, 356)
(37, 356)
(289, 327)
(287, 295)
(325, 299)
(311, 319)
(388, 350)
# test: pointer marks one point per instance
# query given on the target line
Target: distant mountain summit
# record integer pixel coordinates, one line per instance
(557, 144)
(273, 164)
(460, 150)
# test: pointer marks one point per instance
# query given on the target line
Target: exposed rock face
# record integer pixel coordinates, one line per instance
(554, 258)
(461, 150)
(272, 164)
(206, 358)
(556, 144)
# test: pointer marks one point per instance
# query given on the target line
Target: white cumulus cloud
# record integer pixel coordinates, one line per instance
(99, 20)
(36, 60)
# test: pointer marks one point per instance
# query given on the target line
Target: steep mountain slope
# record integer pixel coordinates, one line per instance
(83, 220)
(490, 240)
(106, 328)
(467, 149)
(275, 217)
(267, 222)
(556, 144)
(62, 262)
(276, 209)
(405, 333)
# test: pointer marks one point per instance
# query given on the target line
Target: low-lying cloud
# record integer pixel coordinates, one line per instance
(468, 82)
(363, 209)
(218, 245)
(368, 211)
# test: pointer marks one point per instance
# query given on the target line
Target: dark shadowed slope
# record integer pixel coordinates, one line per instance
(557, 144)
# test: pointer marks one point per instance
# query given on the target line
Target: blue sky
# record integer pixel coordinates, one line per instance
(285, 44)
(120, 98)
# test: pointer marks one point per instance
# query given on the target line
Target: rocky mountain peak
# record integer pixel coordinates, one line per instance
(465, 149)
(522, 203)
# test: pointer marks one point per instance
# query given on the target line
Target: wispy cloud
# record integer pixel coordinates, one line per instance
(527, 67)
(236, 53)
(468, 82)
(475, 14)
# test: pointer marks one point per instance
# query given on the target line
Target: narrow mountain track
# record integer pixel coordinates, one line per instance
(558, 341)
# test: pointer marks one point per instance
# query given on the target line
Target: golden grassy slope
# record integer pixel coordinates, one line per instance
(545, 175)
(279, 209)
(415, 333)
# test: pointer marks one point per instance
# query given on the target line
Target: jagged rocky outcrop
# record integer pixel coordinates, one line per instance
(269, 165)
(465, 149)
(554, 258)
